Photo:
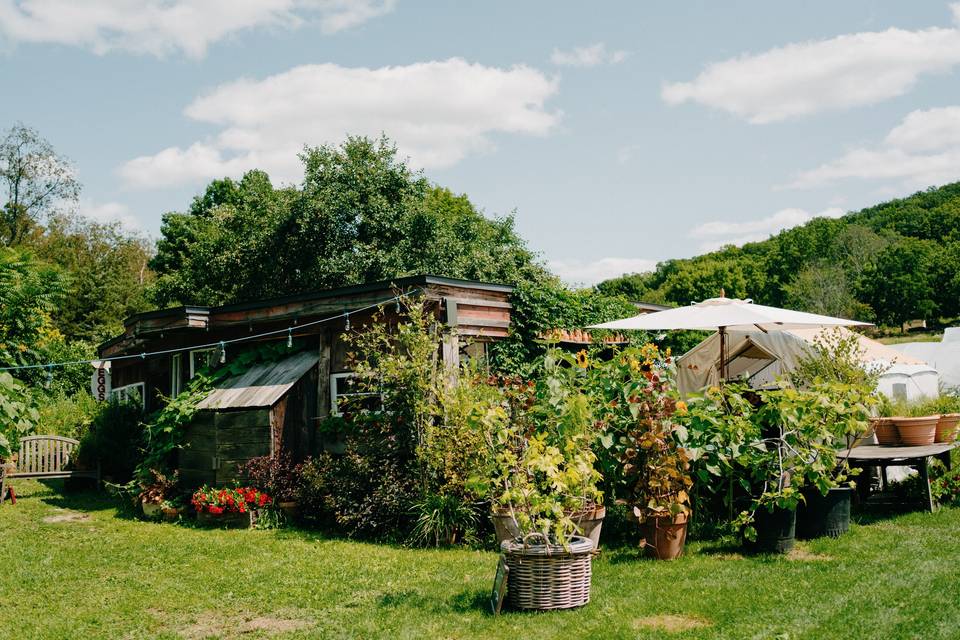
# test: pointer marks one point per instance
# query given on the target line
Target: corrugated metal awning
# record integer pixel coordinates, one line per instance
(262, 385)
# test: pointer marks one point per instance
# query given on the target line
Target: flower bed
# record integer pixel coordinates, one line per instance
(236, 507)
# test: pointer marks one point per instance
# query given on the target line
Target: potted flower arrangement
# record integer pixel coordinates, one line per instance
(651, 469)
(154, 493)
(279, 477)
(231, 507)
(543, 479)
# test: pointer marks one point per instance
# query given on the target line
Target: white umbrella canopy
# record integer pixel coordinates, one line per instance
(727, 313)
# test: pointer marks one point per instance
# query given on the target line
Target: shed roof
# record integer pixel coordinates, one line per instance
(262, 385)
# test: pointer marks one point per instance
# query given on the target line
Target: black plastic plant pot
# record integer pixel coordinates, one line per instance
(824, 515)
(776, 531)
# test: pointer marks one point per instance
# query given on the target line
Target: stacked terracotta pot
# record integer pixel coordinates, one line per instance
(947, 427)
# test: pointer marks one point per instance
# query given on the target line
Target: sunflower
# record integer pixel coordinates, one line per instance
(582, 360)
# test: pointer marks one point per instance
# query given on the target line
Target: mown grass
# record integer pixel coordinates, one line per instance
(114, 577)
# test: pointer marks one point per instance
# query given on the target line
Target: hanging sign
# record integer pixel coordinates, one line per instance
(100, 381)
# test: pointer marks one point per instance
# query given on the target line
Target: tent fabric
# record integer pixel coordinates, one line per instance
(763, 357)
(944, 355)
(726, 312)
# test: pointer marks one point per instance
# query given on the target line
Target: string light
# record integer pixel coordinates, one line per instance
(289, 338)
(49, 375)
(223, 352)
(348, 322)
(221, 343)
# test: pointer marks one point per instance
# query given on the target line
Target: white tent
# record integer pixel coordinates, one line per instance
(761, 357)
(944, 355)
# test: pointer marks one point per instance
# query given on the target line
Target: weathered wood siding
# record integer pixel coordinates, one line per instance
(217, 443)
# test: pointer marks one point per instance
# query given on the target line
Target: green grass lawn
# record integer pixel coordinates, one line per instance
(108, 576)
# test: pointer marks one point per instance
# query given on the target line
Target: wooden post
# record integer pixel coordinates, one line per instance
(451, 356)
(323, 384)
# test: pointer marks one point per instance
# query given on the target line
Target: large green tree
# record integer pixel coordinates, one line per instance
(360, 215)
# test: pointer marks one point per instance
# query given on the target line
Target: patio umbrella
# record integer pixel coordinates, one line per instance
(726, 313)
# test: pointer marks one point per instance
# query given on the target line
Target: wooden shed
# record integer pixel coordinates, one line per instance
(279, 406)
(265, 410)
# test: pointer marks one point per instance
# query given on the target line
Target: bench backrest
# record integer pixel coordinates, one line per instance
(45, 454)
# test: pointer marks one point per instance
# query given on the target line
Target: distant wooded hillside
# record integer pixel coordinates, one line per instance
(890, 263)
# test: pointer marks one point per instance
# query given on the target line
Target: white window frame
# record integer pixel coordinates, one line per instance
(123, 393)
(193, 359)
(334, 396)
(176, 374)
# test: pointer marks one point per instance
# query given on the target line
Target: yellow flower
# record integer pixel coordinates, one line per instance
(582, 360)
(681, 407)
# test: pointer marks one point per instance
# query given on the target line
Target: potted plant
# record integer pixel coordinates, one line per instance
(279, 477)
(650, 467)
(543, 478)
(153, 493)
(229, 507)
(171, 509)
(558, 404)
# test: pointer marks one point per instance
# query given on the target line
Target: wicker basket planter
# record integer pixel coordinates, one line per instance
(230, 520)
(916, 432)
(548, 576)
(886, 431)
(947, 427)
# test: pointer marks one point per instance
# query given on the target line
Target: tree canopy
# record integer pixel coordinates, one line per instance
(359, 215)
(889, 263)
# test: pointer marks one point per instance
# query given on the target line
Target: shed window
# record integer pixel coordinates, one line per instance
(176, 374)
(346, 394)
(202, 359)
(131, 393)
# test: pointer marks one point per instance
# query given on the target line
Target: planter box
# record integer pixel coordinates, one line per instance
(228, 520)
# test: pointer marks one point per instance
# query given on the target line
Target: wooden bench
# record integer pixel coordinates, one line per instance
(45, 458)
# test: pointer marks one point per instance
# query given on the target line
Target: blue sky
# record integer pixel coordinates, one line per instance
(619, 133)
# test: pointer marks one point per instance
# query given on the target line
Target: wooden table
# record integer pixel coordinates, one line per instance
(918, 457)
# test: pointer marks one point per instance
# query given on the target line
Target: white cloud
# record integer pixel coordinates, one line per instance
(161, 27)
(586, 273)
(720, 233)
(109, 212)
(803, 78)
(923, 150)
(436, 113)
(588, 56)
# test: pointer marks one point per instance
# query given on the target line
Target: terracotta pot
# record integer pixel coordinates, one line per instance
(916, 432)
(665, 537)
(947, 427)
(170, 514)
(504, 526)
(589, 522)
(151, 509)
(886, 431)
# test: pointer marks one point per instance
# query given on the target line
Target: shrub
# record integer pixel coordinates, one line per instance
(115, 440)
(68, 415)
(946, 489)
(276, 475)
(18, 414)
(368, 491)
(443, 520)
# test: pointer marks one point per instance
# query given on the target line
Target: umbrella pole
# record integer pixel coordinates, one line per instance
(723, 354)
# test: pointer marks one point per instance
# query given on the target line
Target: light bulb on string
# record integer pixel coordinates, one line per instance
(348, 322)
(223, 352)
(49, 375)
(289, 338)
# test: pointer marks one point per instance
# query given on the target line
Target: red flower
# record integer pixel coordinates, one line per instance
(215, 510)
